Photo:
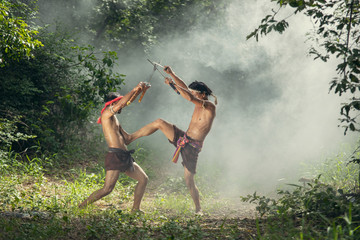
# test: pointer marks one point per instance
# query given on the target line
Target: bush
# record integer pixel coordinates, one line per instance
(9, 134)
(313, 211)
(57, 90)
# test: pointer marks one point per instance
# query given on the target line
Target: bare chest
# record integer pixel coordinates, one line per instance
(199, 115)
(112, 129)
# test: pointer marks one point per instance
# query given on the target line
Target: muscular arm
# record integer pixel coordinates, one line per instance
(182, 87)
(121, 103)
(186, 93)
(177, 80)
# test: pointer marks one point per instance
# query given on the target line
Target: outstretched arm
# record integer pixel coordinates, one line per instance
(122, 102)
(177, 79)
(186, 93)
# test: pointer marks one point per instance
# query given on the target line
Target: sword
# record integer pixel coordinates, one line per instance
(155, 64)
(147, 84)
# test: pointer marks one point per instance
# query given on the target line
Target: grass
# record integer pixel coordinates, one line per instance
(39, 198)
(327, 206)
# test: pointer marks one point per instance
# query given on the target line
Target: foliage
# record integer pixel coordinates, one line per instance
(314, 211)
(337, 33)
(54, 88)
(17, 38)
(338, 171)
(58, 87)
(10, 134)
(38, 200)
(324, 206)
(129, 26)
(57, 90)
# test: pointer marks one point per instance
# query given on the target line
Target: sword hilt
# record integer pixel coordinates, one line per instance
(134, 96)
(144, 91)
(172, 85)
(142, 95)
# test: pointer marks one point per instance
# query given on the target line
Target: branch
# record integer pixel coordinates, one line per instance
(349, 30)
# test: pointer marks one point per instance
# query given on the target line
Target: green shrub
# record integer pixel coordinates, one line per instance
(308, 211)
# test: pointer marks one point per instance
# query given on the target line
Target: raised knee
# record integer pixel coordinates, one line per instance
(129, 139)
(159, 122)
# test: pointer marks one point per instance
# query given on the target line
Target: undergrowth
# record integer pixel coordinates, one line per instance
(39, 199)
(325, 206)
(39, 196)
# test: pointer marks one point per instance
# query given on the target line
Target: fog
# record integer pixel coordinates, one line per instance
(274, 112)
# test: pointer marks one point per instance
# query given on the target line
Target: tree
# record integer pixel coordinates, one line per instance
(56, 87)
(57, 90)
(337, 28)
(16, 37)
(136, 25)
(49, 91)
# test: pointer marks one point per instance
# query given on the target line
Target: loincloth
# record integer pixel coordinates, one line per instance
(119, 159)
(189, 153)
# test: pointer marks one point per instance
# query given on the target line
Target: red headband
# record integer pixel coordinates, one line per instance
(107, 104)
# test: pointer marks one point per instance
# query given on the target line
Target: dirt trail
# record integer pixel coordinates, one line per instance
(234, 220)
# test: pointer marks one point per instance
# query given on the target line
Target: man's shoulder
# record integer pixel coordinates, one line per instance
(210, 105)
(108, 119)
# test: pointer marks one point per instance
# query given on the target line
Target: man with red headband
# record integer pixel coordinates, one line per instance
(118, 158)
(188, 143)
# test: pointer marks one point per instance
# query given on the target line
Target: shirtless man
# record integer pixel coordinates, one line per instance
(118, 159)
(189, 144)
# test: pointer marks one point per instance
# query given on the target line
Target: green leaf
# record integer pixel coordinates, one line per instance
(353, 78)
(356, 105)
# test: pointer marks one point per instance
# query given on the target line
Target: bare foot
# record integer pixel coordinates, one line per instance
(137, 212)
(199, 213)
(82, 205)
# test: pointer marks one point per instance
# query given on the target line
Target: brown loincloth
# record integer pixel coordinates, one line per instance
(189, 154)
(118, 159)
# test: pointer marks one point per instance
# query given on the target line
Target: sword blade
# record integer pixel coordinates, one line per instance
(156, 64)
(155, 67)
(151, 75)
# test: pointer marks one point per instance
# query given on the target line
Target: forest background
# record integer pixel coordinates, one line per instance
(276, 121)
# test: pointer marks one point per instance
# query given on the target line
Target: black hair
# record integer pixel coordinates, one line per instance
(111, 96)
(201, 87)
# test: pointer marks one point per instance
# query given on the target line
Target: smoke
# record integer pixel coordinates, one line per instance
(274, 113)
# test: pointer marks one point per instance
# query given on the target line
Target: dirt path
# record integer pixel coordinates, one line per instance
(235, 220)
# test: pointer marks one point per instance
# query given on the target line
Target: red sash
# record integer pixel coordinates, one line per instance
(182, 141)
(107, 104)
